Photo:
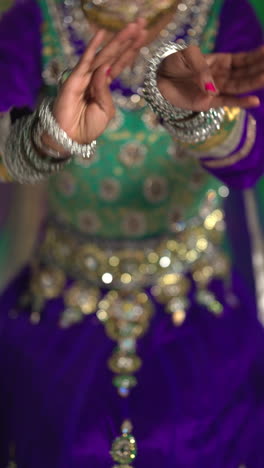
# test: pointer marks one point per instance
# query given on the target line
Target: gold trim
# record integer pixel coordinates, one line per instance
(108, 17)
(242, 153)
(233, 116)
(128, 264)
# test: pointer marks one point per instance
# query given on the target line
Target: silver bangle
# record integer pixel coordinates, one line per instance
(152, 94)
(37, 134)
(185, 125)
(20, 158)
(200, 128)
(49, 125)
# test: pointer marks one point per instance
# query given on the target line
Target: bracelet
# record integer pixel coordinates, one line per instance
(200, 128)
(185, 125)
(45, 150)
(42, 162)
(49, 125)
(21, 159)
(152, 94)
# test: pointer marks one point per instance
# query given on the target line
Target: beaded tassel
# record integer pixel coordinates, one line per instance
(124, 448)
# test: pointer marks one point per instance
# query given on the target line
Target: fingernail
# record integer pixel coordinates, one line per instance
(108, 71)
(209, 86)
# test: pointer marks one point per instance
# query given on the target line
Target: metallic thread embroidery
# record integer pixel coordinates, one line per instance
(242, 153)
(124, 448)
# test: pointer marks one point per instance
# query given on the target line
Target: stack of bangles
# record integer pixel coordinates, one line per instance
(29, 160)
(186, 126)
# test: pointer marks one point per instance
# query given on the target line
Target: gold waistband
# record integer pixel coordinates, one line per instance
(125, 264)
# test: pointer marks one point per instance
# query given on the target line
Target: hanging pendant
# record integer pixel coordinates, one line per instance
(124, 448)
(207, 298)
(172, 290)
(126, 318)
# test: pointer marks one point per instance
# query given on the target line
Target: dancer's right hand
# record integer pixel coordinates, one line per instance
(84, 105)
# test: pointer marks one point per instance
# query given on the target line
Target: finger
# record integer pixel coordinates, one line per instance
(245, 102)
(117, 45)
(127, 57)
(101, 92)
(87, 58)
(246, 85)
(125, 61)
(140, 39)
(244, 59)
(141, 22)
(195, 60)
(252, 71)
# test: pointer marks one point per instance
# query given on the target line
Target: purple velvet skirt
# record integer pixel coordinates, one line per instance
(199, 402)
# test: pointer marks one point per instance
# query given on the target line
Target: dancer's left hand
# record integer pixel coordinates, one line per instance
(192, 80)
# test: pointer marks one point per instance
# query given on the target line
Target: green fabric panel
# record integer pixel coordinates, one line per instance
(259, 6)
(104, 193)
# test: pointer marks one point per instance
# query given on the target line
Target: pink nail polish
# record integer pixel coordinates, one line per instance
(108, 71)
(210, 87)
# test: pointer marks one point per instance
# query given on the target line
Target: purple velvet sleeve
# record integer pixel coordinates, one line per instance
(20, 55)
(240, 31)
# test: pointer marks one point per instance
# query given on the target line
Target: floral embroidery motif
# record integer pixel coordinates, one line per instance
(156, 188)
(88, 222)
(66, 183)
(110, 189)
(134, 223)
(132, 154)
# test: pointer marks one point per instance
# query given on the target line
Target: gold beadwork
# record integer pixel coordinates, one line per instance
(48, 282)
(127, 264)
(169, 286)
(160, 263)
(114, 15)
(125, 315)
(242, 153)
(122, 362)
(233, 115)
(81, 296)
(203, 271)
(126, 318)
(124, 448)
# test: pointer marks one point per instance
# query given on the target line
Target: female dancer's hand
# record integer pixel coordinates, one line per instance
(84, 105)
(191, 80)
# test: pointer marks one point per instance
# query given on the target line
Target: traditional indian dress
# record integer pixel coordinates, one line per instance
(132, 338)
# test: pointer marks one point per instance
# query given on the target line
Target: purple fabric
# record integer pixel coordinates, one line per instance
(200, 398)
(199, 402)
(240, 31)
(20, 55)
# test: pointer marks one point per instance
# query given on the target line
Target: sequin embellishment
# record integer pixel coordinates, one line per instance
(126, 317)
(124, 448)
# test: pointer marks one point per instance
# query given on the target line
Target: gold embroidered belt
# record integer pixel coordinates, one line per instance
(73, 269)
(126, 265)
